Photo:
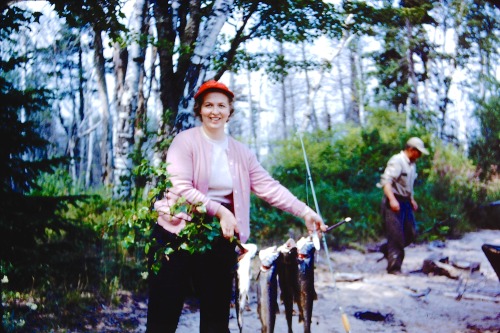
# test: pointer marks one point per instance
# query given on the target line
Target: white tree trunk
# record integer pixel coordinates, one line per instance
(360, 86)
(90, 155)
(196, 75)
(127, 107)
(283, 105)
(106, 138)
(253, 113)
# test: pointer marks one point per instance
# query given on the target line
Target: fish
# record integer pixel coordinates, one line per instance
(268, 289)
(305, 262)
(243, 277)
(288, 278)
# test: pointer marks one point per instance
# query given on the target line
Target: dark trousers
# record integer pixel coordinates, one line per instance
(400, 230)
(208, 275)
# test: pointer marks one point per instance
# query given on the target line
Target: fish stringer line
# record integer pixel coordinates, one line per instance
(345, 320)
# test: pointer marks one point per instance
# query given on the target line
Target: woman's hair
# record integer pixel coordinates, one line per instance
(199, 101)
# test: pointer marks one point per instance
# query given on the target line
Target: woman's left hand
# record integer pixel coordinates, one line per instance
(314, 222)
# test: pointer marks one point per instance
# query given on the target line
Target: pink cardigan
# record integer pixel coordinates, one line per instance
(189, 162)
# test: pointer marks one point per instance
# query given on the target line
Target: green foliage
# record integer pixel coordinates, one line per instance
(388, 124)
(346, 164)
(443, 199)
(283, 21)
(35, 240)
(294, 21)
(403, 34)
(101, 15)
(478, 21)
(137, 222)
(271, 226)
(485, 144)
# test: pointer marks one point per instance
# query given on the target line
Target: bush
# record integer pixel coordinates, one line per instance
(346, 164)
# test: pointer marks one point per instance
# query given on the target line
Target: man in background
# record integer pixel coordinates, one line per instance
(398, 203)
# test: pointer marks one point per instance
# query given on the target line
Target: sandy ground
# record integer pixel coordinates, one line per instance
(414, 302)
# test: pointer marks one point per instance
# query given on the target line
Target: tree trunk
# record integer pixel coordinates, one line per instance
(78, 116)
(106, 145)
(166, 17)
(352, 114)
(311, 91)
(340, 82)
(90, 155)
(411, 66)
(293, 108)
(253, 113)
(127, 105)
(196, 72)
(413, 100)
(120, 61)
(283, 106)
(360, 86)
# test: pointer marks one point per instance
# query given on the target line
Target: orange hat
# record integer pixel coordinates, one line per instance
(213, 85)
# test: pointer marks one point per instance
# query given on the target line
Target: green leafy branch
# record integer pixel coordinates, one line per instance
(197, 237)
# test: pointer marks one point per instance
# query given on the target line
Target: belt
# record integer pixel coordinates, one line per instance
(402, 198)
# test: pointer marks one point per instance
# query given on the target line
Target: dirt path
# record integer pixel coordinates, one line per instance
(415, 302)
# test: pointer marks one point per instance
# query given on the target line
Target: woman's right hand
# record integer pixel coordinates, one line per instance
(228, 223)
(163, 208)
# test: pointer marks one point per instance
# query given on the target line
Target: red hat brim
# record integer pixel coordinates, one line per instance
(213, 85)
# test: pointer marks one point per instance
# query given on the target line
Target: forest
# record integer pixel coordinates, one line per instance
(93, 92)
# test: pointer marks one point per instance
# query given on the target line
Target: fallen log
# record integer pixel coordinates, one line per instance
(433, 266)
(474, 297)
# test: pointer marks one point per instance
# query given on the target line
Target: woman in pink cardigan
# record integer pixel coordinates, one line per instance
(207, 166)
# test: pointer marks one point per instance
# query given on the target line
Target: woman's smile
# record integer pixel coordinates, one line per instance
(215, 111)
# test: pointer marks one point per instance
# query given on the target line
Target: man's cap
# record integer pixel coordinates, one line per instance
(213, 85)
(418, 144)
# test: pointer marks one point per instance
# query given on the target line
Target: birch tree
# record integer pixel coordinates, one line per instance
(188, 40)
(194, 28)
(356, 108)
(104, 18)
(106, 143)
(127, 104)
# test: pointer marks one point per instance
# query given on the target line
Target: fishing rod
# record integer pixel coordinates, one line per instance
(345, 320)
(336, 225)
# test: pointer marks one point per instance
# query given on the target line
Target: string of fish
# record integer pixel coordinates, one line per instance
(345, 320)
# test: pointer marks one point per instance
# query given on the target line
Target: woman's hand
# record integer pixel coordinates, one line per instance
(228, 223)
(163, 208)
(314, 222)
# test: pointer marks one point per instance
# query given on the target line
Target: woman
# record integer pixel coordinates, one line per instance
(209, 167)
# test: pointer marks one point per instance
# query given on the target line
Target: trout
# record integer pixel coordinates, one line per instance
(288, 278)
(306, 250)
(268, 289)
(243, 277)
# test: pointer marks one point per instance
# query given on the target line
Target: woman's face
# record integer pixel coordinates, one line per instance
(215, 111)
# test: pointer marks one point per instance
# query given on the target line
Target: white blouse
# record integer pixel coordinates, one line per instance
(220, 184)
